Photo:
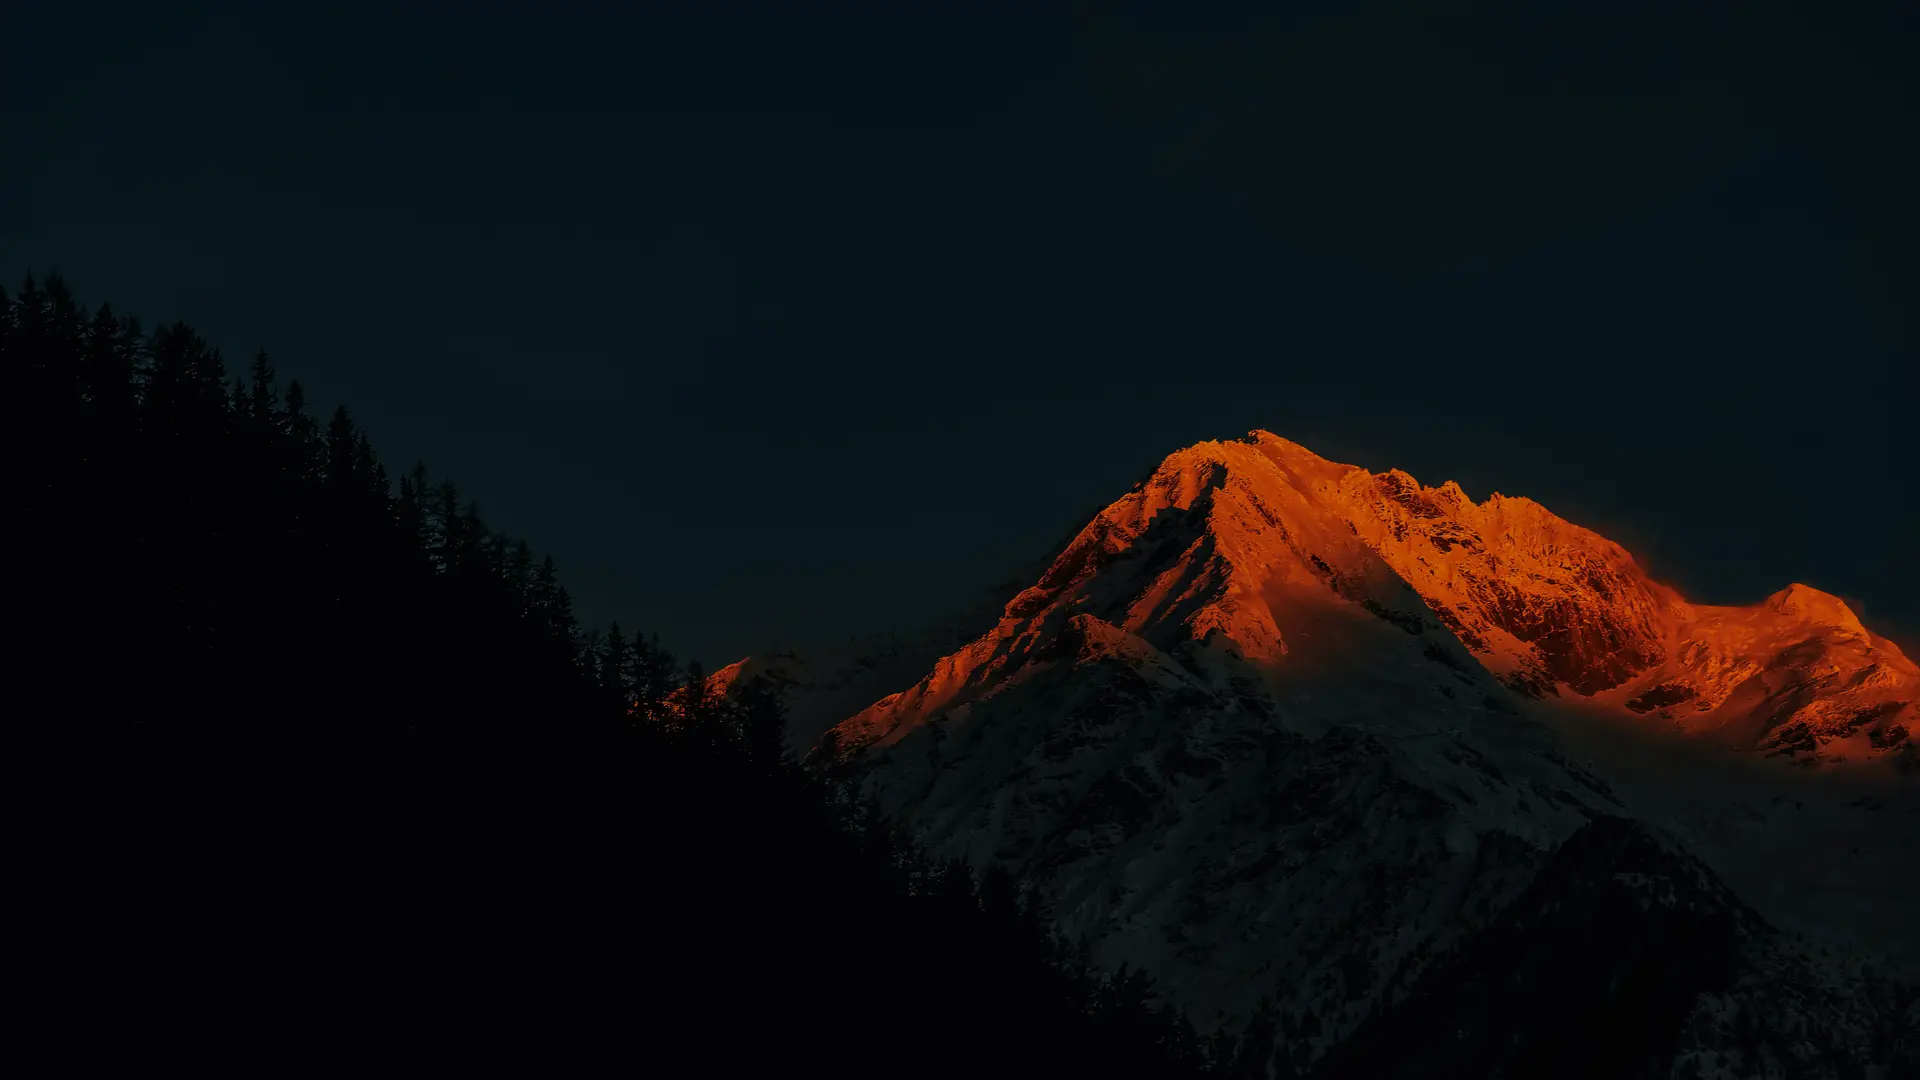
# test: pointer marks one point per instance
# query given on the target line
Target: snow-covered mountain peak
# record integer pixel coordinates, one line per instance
(1239, 558)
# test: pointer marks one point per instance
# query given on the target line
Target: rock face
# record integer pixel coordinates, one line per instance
(1796, 676)
(1545, 603)
(1263, 726)
(1553, 608)
(1255, 552)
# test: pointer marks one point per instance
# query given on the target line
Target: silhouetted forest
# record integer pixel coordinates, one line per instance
(360, 785)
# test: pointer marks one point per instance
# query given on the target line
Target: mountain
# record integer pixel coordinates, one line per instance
(1271, 728)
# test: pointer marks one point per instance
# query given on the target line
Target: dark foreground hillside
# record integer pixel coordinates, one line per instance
(355, 786)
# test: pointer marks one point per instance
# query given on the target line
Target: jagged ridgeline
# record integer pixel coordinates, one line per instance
(357, 781)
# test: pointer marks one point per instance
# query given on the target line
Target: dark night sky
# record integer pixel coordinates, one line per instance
(768, 327)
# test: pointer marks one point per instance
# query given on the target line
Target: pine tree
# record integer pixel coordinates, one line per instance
(614, 680)
(552, 609)
(448, 527)
(762, 712)
(262, 399)
(374, 485)
(409, 512)
(519, 574)
(62, 341)
(470, 554)
(26, 328)
(340, 454)
(109, 370)
(417, 522)
(300, 435)
(696, 700)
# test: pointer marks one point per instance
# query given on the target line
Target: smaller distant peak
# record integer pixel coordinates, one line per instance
(1806, 602)
(1453, 492)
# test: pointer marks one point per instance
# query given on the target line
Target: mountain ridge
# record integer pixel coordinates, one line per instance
(1229, 540)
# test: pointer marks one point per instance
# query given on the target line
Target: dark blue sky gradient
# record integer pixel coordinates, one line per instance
(770, 325)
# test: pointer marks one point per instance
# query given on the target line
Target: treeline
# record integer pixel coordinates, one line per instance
(245, 568)
(355, 777)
